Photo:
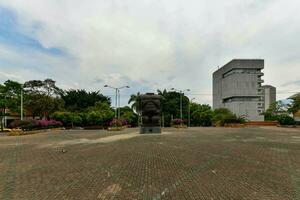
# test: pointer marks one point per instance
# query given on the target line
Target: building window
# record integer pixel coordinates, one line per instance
(241, 71)
(241, 99)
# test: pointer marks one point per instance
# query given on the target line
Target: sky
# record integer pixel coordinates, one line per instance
(148, 44)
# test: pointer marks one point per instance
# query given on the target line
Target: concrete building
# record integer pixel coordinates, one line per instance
(238, 87)
(269, 95)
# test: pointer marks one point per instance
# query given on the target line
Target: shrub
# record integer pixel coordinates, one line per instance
(19, 124)
(224, 116)
(33, 124)
(68, 118)
(177, 121)
(202, 118)
(285, 120)
(116, 123)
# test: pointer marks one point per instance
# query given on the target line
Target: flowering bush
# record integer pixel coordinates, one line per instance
(35, 124)
(177, 121)
(118, 122)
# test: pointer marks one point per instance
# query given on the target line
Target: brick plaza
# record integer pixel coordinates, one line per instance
(196, 163)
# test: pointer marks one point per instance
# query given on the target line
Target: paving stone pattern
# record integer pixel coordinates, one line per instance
(197, 163)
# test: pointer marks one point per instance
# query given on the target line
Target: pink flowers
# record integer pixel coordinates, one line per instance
(46, 123)
(35, 124)
(118, 122)
(177, 121)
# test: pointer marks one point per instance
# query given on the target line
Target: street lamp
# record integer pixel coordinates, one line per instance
(181, 93)
(190, 101)
(119, 91)
(117, 103)
(22, 93)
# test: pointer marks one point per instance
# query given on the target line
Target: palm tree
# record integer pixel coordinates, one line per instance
(135, 100)
(136, 105)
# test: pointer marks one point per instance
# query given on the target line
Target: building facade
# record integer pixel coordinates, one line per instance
(269, 95)
(238, 87)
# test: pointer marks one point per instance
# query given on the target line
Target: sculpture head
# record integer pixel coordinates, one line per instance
(150, 104)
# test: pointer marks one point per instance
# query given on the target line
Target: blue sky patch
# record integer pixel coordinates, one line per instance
(11, 35)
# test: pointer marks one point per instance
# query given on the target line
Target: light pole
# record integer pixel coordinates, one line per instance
(22, 92)
(181, 93)
(117, 102)
(190, 101)
(119, 91)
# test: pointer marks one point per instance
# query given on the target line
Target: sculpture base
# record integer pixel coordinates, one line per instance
(150, 130)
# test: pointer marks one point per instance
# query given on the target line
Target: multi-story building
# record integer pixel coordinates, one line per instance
(269, 95)
(238, 87)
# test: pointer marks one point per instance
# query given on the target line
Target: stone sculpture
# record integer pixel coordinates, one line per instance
(151, 110)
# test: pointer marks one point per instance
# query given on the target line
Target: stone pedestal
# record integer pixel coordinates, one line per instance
(150, 130)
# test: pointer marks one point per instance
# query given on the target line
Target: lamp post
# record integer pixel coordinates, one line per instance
(181, 93)
(117, 101)
(190, 101)
(22, 92)
(119, 91)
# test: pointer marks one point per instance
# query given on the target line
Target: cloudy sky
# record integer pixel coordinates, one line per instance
(148, 44)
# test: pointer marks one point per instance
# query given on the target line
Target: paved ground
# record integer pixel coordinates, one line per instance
(199, 163)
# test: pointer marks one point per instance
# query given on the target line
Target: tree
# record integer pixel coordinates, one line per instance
(47, 87)
(171, 105)
(294, 107)
(67, 118)
(100, 114)
(201, 115)
(42, 98)
(275, 109)
(79, 100)
(136, 105)
(135, 100)
(128, 114)
(9, 98)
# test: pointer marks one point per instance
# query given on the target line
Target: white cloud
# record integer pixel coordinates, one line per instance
(146, 42)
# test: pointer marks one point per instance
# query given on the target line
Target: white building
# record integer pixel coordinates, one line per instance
(238, 87)
(269, 95)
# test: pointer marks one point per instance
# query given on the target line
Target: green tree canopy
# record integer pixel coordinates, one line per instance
(42, 98)
(47, 87)
(10, 93)
(294, 107)
(275, 109)
(134, 100)
(171, 105)
(79, 100)
(201, 115)
(128, 114)
(99, 114)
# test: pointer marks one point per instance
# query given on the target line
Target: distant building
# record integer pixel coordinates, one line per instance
(238, 87)
(12, 116)
(269, 95)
